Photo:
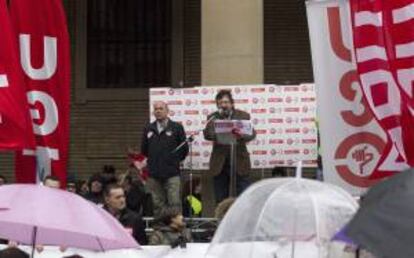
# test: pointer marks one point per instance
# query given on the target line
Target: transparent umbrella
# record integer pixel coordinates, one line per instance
(288, 217)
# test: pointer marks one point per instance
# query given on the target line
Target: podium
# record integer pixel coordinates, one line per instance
(229, 132)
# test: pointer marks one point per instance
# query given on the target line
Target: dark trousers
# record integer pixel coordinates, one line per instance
(222, 183)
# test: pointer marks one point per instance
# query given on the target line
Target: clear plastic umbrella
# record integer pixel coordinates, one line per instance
(288, 217)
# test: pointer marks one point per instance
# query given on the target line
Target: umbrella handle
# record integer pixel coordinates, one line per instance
(34, 241)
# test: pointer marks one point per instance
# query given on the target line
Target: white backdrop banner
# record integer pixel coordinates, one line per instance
(355, 149)
(283, 117)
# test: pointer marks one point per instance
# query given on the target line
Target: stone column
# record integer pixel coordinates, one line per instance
(232, 42)
(232, 53)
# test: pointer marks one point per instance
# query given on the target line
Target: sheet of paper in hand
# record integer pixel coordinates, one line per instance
(225, 130)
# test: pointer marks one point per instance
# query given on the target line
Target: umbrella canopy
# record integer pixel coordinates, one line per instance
(33, 214)
(342, 237)
(385, 223)
(274, 217)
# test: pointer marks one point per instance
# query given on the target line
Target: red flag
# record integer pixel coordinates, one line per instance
(16, 130)
(384, 47)
(45, 59)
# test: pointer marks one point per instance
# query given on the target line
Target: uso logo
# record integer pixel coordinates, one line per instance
(304, 88)
(204, 91)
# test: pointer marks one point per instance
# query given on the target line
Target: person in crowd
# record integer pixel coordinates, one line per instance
(13, 252)
(52, 182)
(192, 203)
(223, 207)
(95, 189)
(138, 164)
(280, 172)
(220, 157)
(172, 229)
(3, 180)
(137, 197)
(319, 170)
(108, 175)
(71, 186)
(82, 188)
(115, 204)
(164, 143)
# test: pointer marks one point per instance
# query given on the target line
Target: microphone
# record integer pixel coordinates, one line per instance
(215, 115)
(189, 139)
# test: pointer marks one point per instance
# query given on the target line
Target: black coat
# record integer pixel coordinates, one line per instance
(139, 201)
(132, 220)
(163, 162)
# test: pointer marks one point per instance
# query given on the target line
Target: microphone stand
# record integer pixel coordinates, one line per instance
(189, 140)
(233, 176)
(233, 166)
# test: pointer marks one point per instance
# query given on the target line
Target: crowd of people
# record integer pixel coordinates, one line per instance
(127, 198)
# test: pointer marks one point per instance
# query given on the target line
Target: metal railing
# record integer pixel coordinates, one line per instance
(202, 229)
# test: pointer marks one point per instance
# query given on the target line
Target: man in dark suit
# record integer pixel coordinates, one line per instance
(220, 158)
(160, 142)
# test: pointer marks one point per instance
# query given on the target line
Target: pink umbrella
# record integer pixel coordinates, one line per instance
(33, 214)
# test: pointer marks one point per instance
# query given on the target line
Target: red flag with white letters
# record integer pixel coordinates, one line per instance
(44, 56)
(15, 125)
(383, 33)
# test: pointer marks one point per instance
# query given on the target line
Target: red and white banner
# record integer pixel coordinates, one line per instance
(383, 33)
(356, 150)
(283, 117)
(16, 130)
(44, 55)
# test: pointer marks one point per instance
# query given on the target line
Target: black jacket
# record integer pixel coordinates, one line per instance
(131, 220)
(138, 200)
(163, 161)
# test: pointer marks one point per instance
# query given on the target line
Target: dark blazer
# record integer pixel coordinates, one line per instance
(220, 152)
(163, 162)
(133, 221)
